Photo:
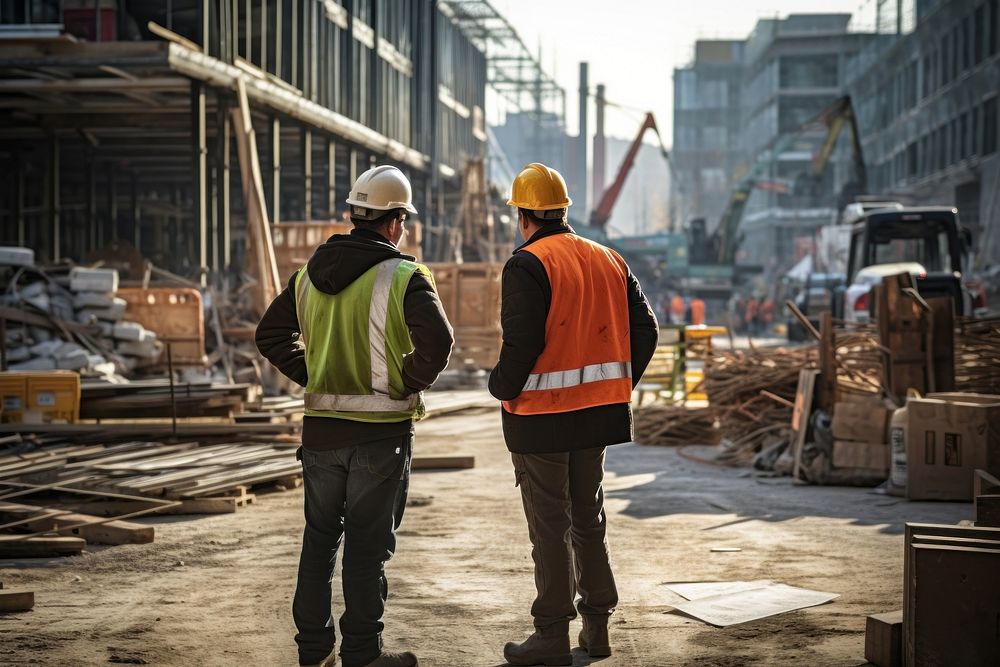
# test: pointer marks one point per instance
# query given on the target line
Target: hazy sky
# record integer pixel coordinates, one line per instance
(633, 46)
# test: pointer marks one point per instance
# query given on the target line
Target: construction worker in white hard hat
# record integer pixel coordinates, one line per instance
(577, 335)
(361, 327)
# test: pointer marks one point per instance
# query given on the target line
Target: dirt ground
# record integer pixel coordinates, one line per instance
(217, 590)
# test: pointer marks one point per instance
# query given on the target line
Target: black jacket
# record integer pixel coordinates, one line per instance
(335, 265)
(527, 296)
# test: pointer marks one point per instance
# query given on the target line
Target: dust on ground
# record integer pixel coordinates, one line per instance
(217, 590)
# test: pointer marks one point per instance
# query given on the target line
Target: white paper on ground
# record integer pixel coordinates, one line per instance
(695, 590)
(751, 603)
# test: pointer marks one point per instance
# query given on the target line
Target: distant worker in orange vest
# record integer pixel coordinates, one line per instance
(697, 311)
(577, 335)
(767, 314)
(750, 315)
(677, 309)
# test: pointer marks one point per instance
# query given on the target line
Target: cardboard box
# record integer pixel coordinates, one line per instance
(866, 455)
(861, 421)
(948, 437)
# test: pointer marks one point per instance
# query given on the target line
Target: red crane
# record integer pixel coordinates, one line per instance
(602, 212)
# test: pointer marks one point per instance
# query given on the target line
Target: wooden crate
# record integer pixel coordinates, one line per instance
(175, 314)
(295, 242)
(470, 294)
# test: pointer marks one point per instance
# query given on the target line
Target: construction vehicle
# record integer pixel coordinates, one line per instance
(928, 243)
(835, 118)
(602, 212)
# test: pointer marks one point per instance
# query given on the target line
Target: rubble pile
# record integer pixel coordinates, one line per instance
(77, 322)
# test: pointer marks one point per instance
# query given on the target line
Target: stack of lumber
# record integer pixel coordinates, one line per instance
(152, 399)
(977, 356)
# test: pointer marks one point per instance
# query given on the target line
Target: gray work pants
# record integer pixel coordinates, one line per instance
(564, 504)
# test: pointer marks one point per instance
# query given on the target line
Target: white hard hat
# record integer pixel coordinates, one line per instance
(380, 189)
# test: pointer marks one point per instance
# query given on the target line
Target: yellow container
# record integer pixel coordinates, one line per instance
(13, 397)
(53, 397)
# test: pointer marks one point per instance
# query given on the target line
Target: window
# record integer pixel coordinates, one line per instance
(945, 60)
(990, 128)
(979, 41)
(974, 133)
(817, 71)
(963, 137)
(953, 151)
(992, 27)
(956, 52)
(967, 42)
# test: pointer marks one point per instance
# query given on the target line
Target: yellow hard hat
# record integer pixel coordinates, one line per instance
(539, 188)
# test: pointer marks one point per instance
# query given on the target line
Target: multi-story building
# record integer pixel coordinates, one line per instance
(706, 147)
(794, 68)
(116, 117)
(927, 102)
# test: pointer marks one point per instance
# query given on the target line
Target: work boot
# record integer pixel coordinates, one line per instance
(328, 661)
(594, 636)
(547, 646)
(406, 659)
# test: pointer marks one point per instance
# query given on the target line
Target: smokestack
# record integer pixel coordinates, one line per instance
(582, 142)
(599, 146)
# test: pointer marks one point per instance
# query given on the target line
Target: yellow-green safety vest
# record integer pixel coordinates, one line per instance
(355, 342)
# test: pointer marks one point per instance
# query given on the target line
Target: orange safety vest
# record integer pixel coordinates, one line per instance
(587, 360)
(697, 311)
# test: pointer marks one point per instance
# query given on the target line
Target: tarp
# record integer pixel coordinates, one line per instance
(801, 271)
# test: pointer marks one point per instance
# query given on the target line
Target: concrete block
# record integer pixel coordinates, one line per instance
(93, 280)
(19, 353)
(66, 350)
(14, 256)
(112, 313)
(36, 364)
(39, 334)
(31, 290)
(46, 348)
(39, 301)
(73, 361)
(128, 331)
(144, 350)
(93, 299)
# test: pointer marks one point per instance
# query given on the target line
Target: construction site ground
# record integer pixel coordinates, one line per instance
(217, 590)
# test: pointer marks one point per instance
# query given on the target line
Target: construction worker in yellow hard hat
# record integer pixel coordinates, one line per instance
(577, 335)
(361, 327)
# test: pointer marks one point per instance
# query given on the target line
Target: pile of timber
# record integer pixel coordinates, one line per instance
(751, 397)
(156, 398)
(57, 497)
(752, 392)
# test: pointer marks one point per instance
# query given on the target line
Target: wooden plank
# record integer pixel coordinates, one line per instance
(38, 547)
(94, 529)
(442, 462)
(884, 639)
(800, 416)
(145, 430)
(826, 396)
(17, 600)
(943, 342)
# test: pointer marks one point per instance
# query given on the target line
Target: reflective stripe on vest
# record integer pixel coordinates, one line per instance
(612, 370)
(378, 311)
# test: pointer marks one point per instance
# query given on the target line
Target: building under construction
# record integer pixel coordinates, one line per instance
(118, 119)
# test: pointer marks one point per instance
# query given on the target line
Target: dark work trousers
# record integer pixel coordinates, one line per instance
(564, 504)
(359, 492)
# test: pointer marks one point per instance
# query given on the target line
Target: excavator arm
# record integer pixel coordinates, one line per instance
(602, 212)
